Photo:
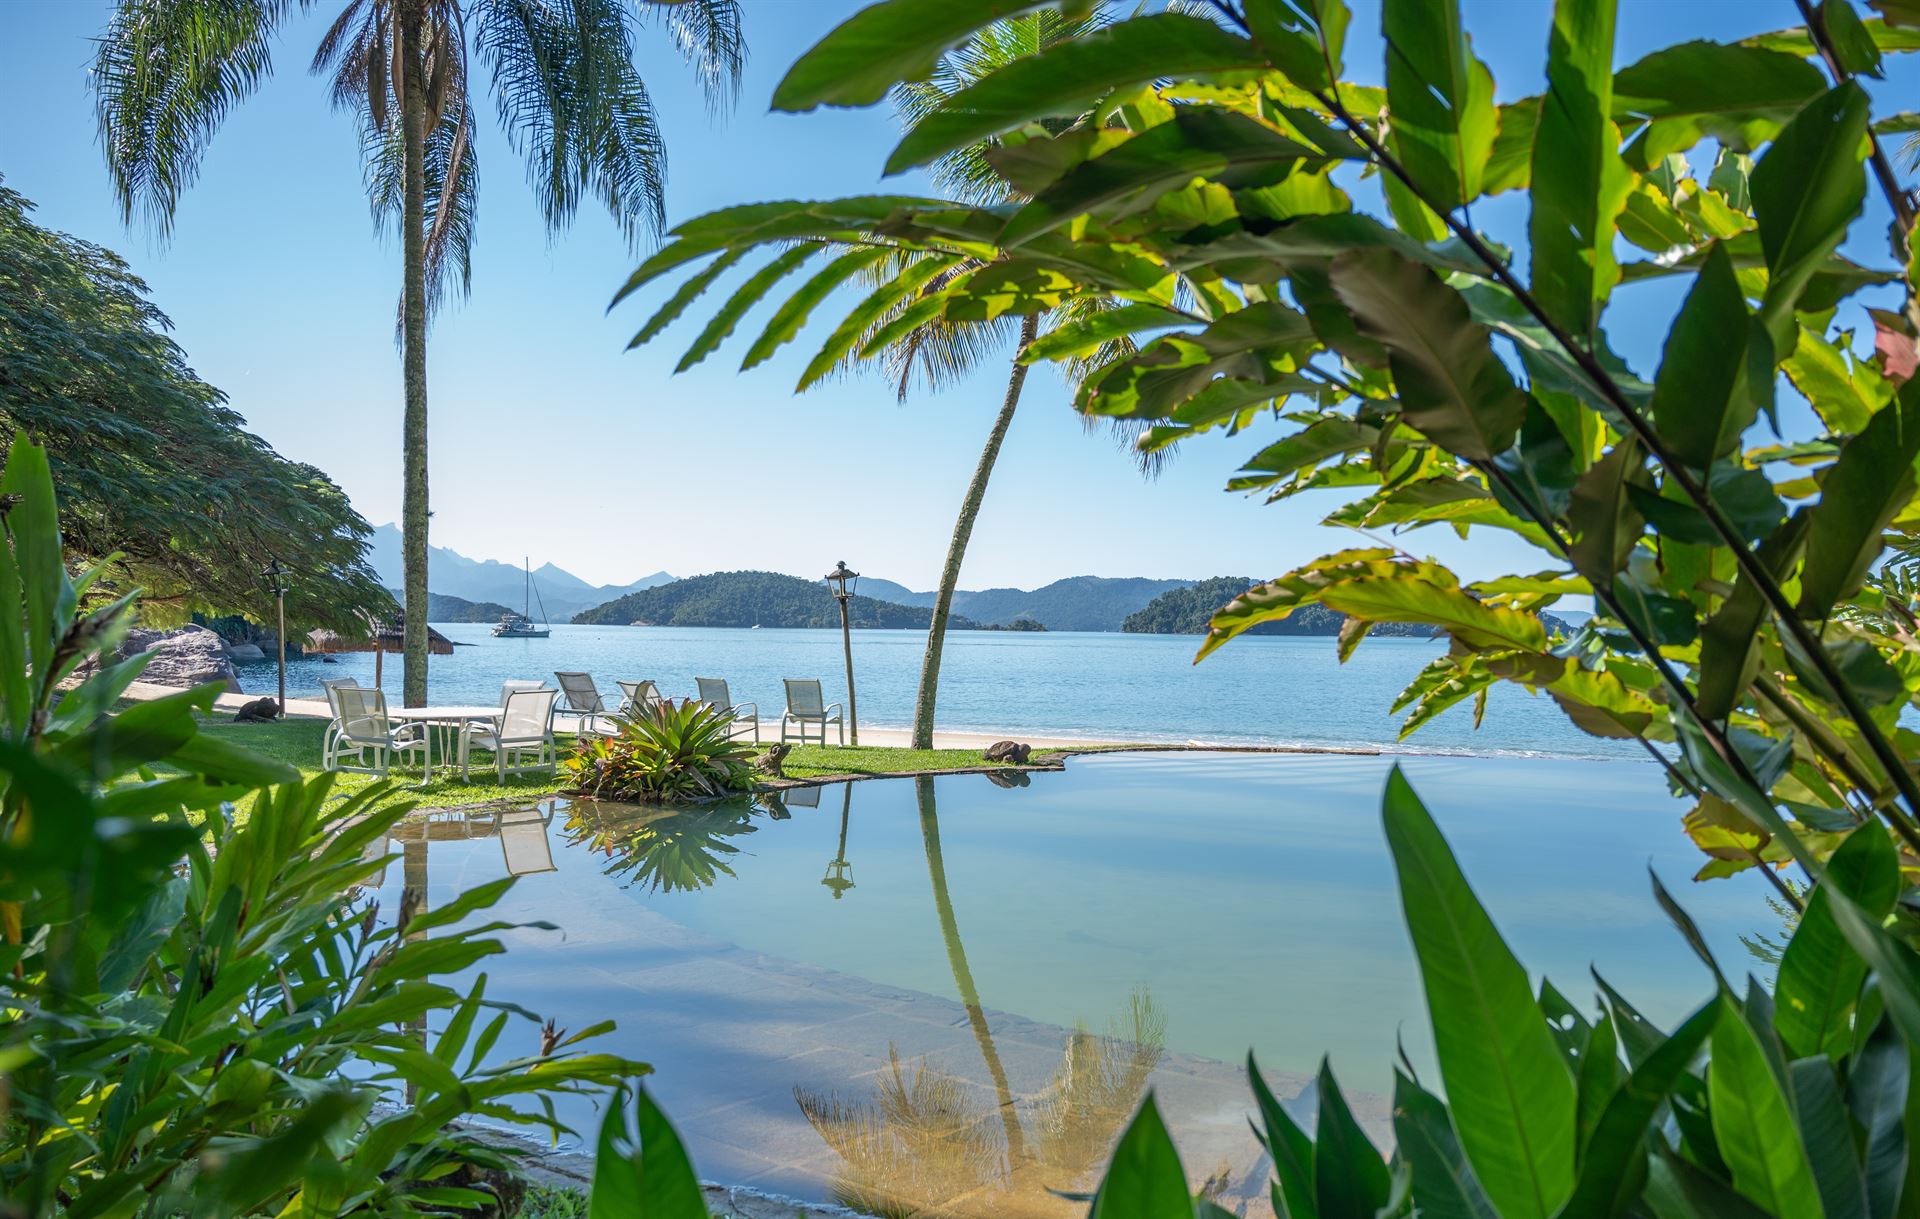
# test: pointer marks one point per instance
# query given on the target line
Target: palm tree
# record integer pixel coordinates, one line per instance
(942, 352)
(564, 86)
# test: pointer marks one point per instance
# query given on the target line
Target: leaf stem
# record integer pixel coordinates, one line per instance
(1876, 155)
(1744, 557)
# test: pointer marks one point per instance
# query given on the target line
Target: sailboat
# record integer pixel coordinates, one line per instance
(520, 626)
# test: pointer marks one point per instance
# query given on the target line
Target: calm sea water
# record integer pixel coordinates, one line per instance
(1009, 970)
(1129, 687)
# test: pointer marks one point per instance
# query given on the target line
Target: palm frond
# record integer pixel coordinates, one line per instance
(574, 106)
(166, 75)
(710, 37)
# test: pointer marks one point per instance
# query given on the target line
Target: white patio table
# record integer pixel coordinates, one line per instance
(452, 719)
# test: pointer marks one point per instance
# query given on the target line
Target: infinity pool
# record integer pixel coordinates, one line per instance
(946, 996)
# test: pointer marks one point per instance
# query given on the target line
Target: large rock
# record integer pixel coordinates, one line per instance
(246, 654)
(188, 656)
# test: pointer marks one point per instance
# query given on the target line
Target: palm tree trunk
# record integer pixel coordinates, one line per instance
(957, 548)
(962, 974)
(413, 341)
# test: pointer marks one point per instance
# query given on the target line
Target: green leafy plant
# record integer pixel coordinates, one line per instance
(1201, 196)
(665, 750)
(201, 1012)
(663, 849)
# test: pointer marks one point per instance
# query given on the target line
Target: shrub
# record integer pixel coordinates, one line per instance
(200, 1011)
(664, 751)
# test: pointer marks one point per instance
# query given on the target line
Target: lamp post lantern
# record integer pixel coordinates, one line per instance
(842, 583)
(839, 877)
(276, 575)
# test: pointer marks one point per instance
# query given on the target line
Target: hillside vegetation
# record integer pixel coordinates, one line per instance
(751, 598)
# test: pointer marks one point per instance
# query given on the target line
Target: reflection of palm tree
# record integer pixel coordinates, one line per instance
(664, 850)
(918, 1147)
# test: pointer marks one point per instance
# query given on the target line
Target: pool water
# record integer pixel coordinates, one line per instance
(948, 995)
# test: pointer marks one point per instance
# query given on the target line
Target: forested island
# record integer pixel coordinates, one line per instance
(754, 598)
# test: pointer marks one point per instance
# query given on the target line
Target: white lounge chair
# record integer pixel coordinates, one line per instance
(713, 692)
(635, 695)
(523, 842)
(514, 685)
(807, 705)
(333, 725)
(369, 735)
(521, 740)
(583, 699)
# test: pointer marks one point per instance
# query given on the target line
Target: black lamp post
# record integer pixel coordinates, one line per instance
(839, 877)
(277, 576)
(842, 583)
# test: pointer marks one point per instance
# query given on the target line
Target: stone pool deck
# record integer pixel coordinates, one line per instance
(741, 1041)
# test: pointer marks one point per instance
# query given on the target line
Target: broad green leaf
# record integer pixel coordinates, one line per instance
(1738, 95)
(1144, 1178)
(747, 297)
(1086, 335)
(1393, 598)
(1317, 442)
(1820, 974)
(1288, 1146)
(641, 1170)
(1606, 524)
(1452, 386)
(1579, 182)
(883, 45)
(1252, 344)
(1303, 38)
(1699, 405)
(1443, 1183)
(1870, 483)
(1440, 98)
(794, 311)
(1807, 189)
(1350, 1180)
(1852, 42)
(1613, 1164)
(1511, 1094)
(1843, 392)
(1198, 142)
(1827, 1131)
(1067, 78)
(849, 332)
(1510, 163)
(1753, 1124)
(1878, 1081)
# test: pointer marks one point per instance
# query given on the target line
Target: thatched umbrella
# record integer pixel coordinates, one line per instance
(384, 638)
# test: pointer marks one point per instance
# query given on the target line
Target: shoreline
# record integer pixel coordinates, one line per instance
(1060, 744)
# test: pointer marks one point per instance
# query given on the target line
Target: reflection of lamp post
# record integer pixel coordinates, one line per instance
(839, 875)
(842, 582)
(277, 574)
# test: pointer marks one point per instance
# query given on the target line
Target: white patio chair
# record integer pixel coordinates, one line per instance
(583, 699)
(521, 740)
(369, 735)
(713, 692)
(807, 705)
(513, 685)
(333, 725)
(635, 695)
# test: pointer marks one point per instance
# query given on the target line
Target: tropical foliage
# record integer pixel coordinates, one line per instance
(87, 368)
(663, 849)
(563, 84)
(664, 750)
(203, 1011)
(1209, 196)
(1189, 611)
(1205, 192)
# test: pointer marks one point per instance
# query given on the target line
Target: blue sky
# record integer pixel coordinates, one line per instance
(549, 440)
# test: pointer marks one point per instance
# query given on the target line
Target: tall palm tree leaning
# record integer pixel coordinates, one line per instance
(942, 351)
(564, 86)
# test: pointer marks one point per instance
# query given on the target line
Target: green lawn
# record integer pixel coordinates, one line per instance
(297, 742)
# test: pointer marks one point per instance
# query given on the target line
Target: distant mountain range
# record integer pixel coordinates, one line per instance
(752, 598)
(454, 575)
(1077, 603)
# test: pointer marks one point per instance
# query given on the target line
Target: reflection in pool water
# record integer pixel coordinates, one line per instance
(883, 992)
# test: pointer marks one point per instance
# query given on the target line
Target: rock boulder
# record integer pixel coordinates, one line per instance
(246, 653)
(1008, 751)
(259, 711)
(188, 656)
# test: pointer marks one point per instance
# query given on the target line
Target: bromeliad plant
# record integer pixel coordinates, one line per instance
(1206, 197)
(665, 750)
(200, 1013)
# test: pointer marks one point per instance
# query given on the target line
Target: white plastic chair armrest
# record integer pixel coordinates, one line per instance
(739, 707)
